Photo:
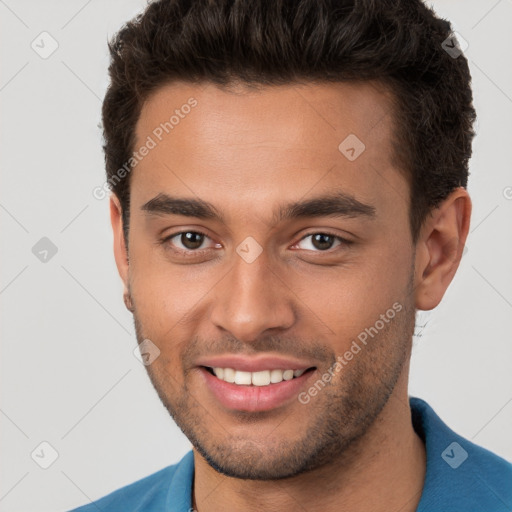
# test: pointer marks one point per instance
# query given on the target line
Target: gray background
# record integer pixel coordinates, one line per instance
(68, 373)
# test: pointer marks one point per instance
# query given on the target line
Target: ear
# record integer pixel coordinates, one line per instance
(439, 248)
(120, 251)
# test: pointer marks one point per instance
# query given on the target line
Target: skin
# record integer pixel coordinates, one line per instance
(247, 152)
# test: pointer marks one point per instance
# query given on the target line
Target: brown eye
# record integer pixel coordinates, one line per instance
(320, 242)
(187, 242)
(191, 240)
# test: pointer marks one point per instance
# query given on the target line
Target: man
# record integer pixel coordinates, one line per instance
(289, 187)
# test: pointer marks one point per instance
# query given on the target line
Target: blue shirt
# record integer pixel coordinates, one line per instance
(460, 477)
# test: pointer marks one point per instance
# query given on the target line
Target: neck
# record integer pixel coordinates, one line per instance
(384, 470)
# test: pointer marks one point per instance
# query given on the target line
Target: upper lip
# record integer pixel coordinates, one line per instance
(255, 364)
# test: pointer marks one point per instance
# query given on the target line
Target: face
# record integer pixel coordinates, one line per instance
(267, 249)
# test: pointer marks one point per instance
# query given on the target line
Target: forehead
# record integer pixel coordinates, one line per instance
(250, 146)
(248, 115)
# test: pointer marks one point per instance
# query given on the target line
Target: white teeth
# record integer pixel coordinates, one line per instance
(242, 378)
(288, 375)
(261, 378)
(276, 376)
(229, 375)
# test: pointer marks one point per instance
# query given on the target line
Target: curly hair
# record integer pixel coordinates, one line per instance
(399, 43)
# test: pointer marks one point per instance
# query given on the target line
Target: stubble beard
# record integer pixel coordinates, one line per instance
(335, 421)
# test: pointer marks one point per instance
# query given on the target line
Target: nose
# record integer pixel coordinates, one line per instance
(252, 299)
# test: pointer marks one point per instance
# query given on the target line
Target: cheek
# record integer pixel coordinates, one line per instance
(347, 300)
(167, 296)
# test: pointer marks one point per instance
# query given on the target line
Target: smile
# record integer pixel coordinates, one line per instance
(254, 391)
(260, 378)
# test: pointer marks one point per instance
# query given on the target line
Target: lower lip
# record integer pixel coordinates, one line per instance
(254, 398)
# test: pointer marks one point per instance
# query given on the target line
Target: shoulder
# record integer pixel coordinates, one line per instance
(154, 492)
(460, 474)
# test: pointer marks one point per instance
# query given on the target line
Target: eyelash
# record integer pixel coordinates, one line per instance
(195, 252)
(343, 241)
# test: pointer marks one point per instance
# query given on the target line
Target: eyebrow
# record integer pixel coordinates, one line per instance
(332, 205)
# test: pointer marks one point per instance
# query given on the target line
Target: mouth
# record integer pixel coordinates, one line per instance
(263, 389)
(259, 378)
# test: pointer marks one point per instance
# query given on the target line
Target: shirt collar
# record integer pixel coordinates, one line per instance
(460, 475)
(179, 496)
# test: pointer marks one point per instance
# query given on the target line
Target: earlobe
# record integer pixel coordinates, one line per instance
(120, 252)
(439, 248)
(128, 300)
